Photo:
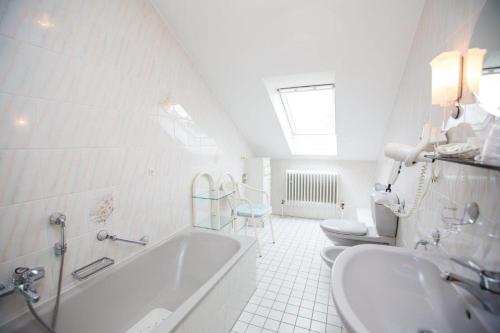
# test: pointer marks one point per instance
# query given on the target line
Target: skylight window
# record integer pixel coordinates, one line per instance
(305, 108)
(310, 110)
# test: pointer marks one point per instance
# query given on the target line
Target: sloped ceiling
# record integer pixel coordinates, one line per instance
(235, 44)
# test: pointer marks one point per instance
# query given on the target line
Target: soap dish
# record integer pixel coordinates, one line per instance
(92, 268)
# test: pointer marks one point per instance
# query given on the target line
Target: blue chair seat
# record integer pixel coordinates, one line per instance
(259, 210)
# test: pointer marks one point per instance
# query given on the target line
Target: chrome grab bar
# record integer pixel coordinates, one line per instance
(103, 235)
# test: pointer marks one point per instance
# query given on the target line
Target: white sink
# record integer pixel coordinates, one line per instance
(387, 289)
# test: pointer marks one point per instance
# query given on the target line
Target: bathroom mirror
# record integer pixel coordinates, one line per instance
(485, 36)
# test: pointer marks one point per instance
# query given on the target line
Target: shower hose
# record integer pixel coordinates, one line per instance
(52, 327)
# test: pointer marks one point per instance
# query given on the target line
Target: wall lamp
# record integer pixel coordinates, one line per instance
(455, 79)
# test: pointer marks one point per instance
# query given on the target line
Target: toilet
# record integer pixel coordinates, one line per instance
(380, 229)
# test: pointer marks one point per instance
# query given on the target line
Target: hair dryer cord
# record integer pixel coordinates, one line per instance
(422, 188)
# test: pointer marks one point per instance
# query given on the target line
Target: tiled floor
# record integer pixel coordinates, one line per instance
(292, 292)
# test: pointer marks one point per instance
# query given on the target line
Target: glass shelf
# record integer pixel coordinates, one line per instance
(206, 223)
(463, 161)
(215, 195)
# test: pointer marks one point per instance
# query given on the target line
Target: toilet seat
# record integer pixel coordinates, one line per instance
(345, 227)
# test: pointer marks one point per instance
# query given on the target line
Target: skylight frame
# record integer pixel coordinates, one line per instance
(304, 88)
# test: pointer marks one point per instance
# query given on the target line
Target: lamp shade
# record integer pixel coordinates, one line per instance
(473, 68)
(446, 78)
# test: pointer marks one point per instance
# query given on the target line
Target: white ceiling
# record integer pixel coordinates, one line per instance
(236, 44)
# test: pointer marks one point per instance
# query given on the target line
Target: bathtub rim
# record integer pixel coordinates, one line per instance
(176, 318)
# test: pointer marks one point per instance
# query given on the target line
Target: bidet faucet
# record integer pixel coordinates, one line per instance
(486, 290)
(23, 281)
(422, 242)
(436, 238)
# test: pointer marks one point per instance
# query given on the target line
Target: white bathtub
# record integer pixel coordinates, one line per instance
(197, 281)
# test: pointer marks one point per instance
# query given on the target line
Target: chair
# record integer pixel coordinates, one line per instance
(250, 211)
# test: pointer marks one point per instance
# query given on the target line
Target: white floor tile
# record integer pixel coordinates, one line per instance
(258, 321)
(306, 313)
(292, 309)
(318, 307)
(240, 327)
(276, 315)
(246, 317)
(262, 311)
(289, 318)
(283, 297)
(266, 302)
(279, 306)
(300, 330)
(317, 326)
(272, 325)
(293, 293)
(253, 329)
(286, 328)
(303, 322)
(307, 304)
(251, 308)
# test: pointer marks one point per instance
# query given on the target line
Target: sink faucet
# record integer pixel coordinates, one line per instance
(24, 281)
(486, 290)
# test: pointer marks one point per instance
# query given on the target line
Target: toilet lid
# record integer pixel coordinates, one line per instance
(346, 227)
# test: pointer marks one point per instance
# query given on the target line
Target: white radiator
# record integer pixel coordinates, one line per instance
(311, 188)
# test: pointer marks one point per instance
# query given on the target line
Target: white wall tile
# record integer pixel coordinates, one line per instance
(444, 26)
(81, 90)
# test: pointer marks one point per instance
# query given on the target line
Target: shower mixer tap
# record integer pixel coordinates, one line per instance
(24, 281)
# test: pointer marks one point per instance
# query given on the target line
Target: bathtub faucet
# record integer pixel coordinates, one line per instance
(103, 234)
(23, 281)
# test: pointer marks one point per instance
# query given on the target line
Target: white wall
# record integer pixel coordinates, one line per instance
(82, 130)
(356, 182)
(444, 25)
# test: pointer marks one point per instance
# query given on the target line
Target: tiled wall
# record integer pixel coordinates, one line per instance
(444, 25)
(86, 128)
